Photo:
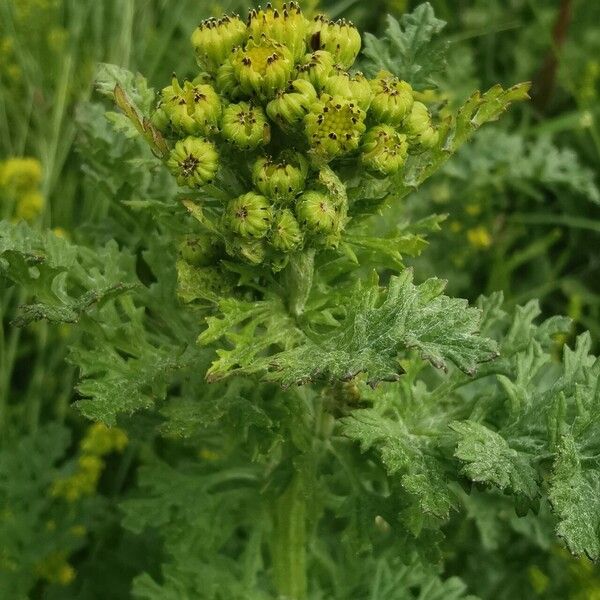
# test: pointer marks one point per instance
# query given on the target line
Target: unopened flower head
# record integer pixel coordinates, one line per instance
(249, 215)
(316, 68)
(198, 251)
(287, 26)
(291, 105)
(286, 234)
(334, 126)
(193, 162)
(352, 87)
(227, 83)
(418, 125)
(214, 39)
(384, 149)
(262, 66)
(392, 98)
(340, 38)
(316, 212)
(245, 126)
(282, 178)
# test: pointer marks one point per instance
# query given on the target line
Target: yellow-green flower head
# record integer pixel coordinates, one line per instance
(262, 67)
(174, 104)
(245, 126)
(392, 98)
(193, 162)
(226, 82)
(19, 174)
(250, 250)
(288, 26)
(334, 126)
(199, 251)
(340, 38)
(286, 235)
(316, 68)
(421, 133)
(160, 119)
(291, 105)
(204, 106)
(280, 179)
(249, 215)
(316, 213)
(29, 205)
(384, 149)
(214, 39)
(352, 87)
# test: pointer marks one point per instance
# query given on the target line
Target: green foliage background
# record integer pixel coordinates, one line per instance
(439, 485)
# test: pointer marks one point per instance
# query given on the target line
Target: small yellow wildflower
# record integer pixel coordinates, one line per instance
(78, 530)
(455, 226)
(479, 237)
(100, 440)
(473, 209)
(55, 569)
(20, 174)
(61, 233)
(538, 579)
(29, 206)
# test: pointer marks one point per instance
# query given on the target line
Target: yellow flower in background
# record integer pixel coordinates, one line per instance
(29, 206)
(538, 579)
(20, 174)
(479, 237)
(55, 569)
(473, 209)
(100, 440)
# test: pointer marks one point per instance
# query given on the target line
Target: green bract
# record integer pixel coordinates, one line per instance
(340, 38)
(392, 98)
(280, 179)
(245, 126)
(262, 66)
(249, 215)
(316, 68)
(334, 126)
(418, 126)
(193, 161)
(353, 87)
(384, 149)
(292, 104)
(316, 211)
(286, 235)
(288, 26)
(214, 40)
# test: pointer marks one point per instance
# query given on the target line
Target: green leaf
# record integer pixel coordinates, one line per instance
(379, 327)
(408, 48)
(575, 497)
(489, 459)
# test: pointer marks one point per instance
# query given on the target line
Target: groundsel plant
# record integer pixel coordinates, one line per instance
(313, 423)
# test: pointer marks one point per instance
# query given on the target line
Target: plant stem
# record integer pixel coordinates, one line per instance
(289, 542)
(298, 280)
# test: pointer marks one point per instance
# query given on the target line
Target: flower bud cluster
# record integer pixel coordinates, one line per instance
(276, 103)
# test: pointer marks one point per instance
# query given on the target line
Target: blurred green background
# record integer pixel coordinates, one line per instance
(522, 205)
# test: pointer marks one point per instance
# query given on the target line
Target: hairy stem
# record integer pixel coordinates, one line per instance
(289, 542)
(298, 280)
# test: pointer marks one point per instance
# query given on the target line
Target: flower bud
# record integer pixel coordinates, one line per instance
(352, 87)
(316, 213)
(288, 26)
(316, 68)
(226, 82)
(421, 133)
(245, 126)
(340, 38)
(160, 119)
(285, 234)
(249, 215)
(384, 149)
(214, 39)
(334, 126)
(392, 100)
(198, 251)
(193, 162)
(262, 67)
(280, 179)
(292, 104)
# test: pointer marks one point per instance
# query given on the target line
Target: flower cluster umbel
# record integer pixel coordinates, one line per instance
(278, 93)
